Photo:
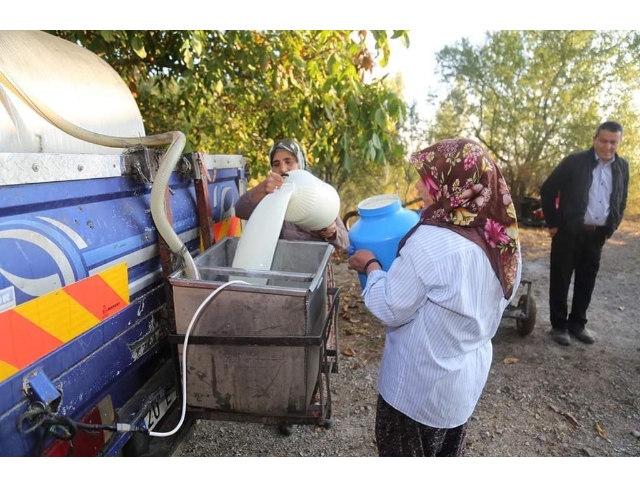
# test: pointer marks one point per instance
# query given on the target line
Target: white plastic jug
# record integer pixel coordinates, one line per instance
(314, 204)
(304, 200)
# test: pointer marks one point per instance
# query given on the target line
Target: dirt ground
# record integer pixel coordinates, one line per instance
(541, 399)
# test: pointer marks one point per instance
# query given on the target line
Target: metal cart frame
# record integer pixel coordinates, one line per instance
(319, 412)
(525, 312)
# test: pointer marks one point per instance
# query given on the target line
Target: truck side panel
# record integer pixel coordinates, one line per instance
(59, 234)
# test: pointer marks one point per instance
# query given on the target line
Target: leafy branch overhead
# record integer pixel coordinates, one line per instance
(237, 91)
(532, 97)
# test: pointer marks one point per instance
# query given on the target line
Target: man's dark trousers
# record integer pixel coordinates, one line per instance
(579, 252)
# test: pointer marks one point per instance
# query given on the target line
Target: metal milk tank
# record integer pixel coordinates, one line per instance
(382, 224)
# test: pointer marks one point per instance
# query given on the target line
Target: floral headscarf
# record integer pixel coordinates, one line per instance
(472, 199)
(290, 145)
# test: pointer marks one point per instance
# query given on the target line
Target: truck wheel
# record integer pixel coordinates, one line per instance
(525, 326)
(327, 424)
(137, 445)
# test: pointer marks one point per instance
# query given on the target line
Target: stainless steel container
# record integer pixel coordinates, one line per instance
(273, 378)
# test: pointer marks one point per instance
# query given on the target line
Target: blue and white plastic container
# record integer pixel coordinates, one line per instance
(382, 224)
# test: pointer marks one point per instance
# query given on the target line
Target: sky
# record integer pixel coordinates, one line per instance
(417, 63)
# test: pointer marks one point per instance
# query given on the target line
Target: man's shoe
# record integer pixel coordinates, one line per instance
(561, 337)
(584, 336)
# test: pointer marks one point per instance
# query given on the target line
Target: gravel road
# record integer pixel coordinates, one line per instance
(541, 400)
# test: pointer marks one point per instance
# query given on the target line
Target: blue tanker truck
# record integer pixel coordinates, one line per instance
(94, 216)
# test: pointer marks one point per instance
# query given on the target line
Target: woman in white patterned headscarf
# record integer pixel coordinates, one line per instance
(284, 156)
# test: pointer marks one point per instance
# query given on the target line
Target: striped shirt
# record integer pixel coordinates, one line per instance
(441, 303)
(599, 194)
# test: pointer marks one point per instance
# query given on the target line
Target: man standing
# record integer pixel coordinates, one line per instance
(592, 188)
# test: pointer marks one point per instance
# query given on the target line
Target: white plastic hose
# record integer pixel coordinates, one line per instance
(194, 319)
(167, 164)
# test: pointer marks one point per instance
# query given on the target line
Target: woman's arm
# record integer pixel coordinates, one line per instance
(341, 238)
(394, 297)
(248, 201)
(244, 206)
(336, 234)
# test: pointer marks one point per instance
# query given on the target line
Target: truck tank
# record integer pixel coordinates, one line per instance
(84, 309)
(73, 82)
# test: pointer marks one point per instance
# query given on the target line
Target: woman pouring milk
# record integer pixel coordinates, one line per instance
(287, 155)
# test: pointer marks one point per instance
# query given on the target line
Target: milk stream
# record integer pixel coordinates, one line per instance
(304, 200)
(260, 235)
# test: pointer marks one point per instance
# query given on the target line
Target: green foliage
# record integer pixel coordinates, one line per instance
(235, 92)
(532, 97)
(630, 150)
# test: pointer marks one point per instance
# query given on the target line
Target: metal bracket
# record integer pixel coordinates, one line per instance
(190, 165)
(146, 342)
(38, 387)
(142, 163)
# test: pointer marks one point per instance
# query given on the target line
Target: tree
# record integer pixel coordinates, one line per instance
(532, 97)
(238, 91)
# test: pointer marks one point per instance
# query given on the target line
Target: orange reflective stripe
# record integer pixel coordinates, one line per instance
(58, 314)
(95, 295)
(116, 277)
(22, 341)
(220, 230)
(6, 370)
(33, 329)
(234, 227)
(227, 228)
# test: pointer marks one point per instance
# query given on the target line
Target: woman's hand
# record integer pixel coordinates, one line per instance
(273, 182)
(358, 260)
(327, 233)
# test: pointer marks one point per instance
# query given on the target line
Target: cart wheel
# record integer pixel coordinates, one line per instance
(525, 326)
(327, 424)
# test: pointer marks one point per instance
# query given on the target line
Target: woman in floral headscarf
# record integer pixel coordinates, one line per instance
(442, 300)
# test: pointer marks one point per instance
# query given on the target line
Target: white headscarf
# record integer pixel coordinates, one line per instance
(290, 145)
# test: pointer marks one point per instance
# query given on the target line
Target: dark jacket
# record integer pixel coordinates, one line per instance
(571, 179)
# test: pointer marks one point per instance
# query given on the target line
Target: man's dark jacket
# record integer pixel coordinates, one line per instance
(572, 180)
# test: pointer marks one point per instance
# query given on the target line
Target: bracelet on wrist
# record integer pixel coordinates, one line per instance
(372, 261)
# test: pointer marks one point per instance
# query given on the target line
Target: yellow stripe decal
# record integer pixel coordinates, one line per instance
(31, 330)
